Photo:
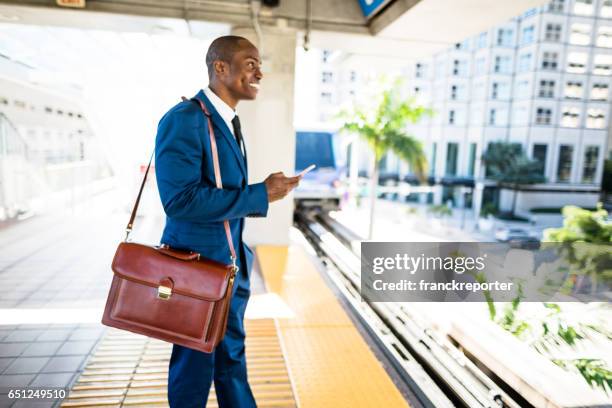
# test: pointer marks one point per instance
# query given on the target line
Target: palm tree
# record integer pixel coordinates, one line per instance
(382, 126)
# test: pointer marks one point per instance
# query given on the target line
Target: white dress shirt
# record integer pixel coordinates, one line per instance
(224, 110)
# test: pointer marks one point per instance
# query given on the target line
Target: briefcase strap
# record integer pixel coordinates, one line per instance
(217, 170)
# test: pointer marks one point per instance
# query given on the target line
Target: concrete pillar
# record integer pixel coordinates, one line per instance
(477, 198)
(423, 198)
(267, 125)
(437, 194)
(459, 197)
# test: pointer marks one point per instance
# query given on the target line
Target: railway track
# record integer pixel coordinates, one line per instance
(436, 371)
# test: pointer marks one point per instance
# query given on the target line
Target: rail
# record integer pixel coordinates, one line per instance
(436, 371)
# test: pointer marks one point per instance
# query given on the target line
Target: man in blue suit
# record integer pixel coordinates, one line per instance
(196, 209)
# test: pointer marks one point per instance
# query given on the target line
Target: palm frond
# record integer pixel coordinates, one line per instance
(382, 125)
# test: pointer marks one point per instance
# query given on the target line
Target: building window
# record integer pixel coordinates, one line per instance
(580, 34)
(504, 37)
(326, 97)
(543, 116)
(451, 117)
(556, 6)
(602, 65)
(519, 116)
(524, 63)
(527, 35)
(589, 168)
(595, 118)
(550, 60)
(492, 117)
(576, 62)
(547, 89)
(498, 67)
(606, 8)
(570, 117)
(539, 155)
(604, 37)
(20, 104)
(553, 32)
(353, 76)
(564, 166)
(417, 90)
(453, 92)
(327, 77)
(502, 65)
(325, 56)
(530, 12)
(583, 7)
(494, 90)
(481, 40)
(452, 150)
(500, 90)
(463, 45)
(418, 70)
(599, 92)
(459, 68)
(472, 160)
(573, 90)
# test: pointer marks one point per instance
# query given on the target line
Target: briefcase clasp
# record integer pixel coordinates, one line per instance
(164, 292)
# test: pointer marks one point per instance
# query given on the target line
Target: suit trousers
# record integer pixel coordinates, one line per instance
(192, 372)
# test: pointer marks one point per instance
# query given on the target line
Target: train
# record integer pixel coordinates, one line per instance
(320, 189)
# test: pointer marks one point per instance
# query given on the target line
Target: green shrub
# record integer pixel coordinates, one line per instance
(488, 209)
(440, 211)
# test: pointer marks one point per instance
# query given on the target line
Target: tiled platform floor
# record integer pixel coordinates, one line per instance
(129, 370)
(33, 356)
(54, 276)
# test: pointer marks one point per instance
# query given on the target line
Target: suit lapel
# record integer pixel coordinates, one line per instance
(220, 125)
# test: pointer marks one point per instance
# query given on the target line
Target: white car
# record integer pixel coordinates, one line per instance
(506, 234)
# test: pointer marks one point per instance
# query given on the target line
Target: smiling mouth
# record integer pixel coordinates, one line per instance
(254, 85)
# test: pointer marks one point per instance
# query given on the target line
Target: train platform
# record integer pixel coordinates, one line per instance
(303, 348)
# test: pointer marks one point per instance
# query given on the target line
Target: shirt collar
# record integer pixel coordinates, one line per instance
(224, 110)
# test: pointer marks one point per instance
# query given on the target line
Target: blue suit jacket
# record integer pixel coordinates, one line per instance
(195, 208)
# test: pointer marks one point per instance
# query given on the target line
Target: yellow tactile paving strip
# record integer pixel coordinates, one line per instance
(128, 370)
(329, 362)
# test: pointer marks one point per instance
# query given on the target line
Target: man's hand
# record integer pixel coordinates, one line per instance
(278, 185)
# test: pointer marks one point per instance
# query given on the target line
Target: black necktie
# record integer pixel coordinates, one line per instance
(237, 131)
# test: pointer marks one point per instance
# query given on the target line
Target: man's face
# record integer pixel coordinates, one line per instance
(242, 80)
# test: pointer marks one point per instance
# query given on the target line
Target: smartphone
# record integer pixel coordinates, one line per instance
(306, 170)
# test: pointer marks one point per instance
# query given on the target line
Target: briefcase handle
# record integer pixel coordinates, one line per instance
(217, 170)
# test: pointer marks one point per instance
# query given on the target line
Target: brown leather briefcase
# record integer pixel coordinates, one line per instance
(176, 296)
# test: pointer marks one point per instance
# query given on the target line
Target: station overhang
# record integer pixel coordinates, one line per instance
(397, 28)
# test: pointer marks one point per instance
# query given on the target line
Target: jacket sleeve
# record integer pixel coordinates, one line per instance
(178, 167)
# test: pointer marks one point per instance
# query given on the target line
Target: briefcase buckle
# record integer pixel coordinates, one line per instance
(164, 292)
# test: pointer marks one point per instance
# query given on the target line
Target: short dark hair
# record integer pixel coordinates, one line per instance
(223, 49)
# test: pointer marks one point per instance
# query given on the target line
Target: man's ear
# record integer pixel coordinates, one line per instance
(220, 68)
